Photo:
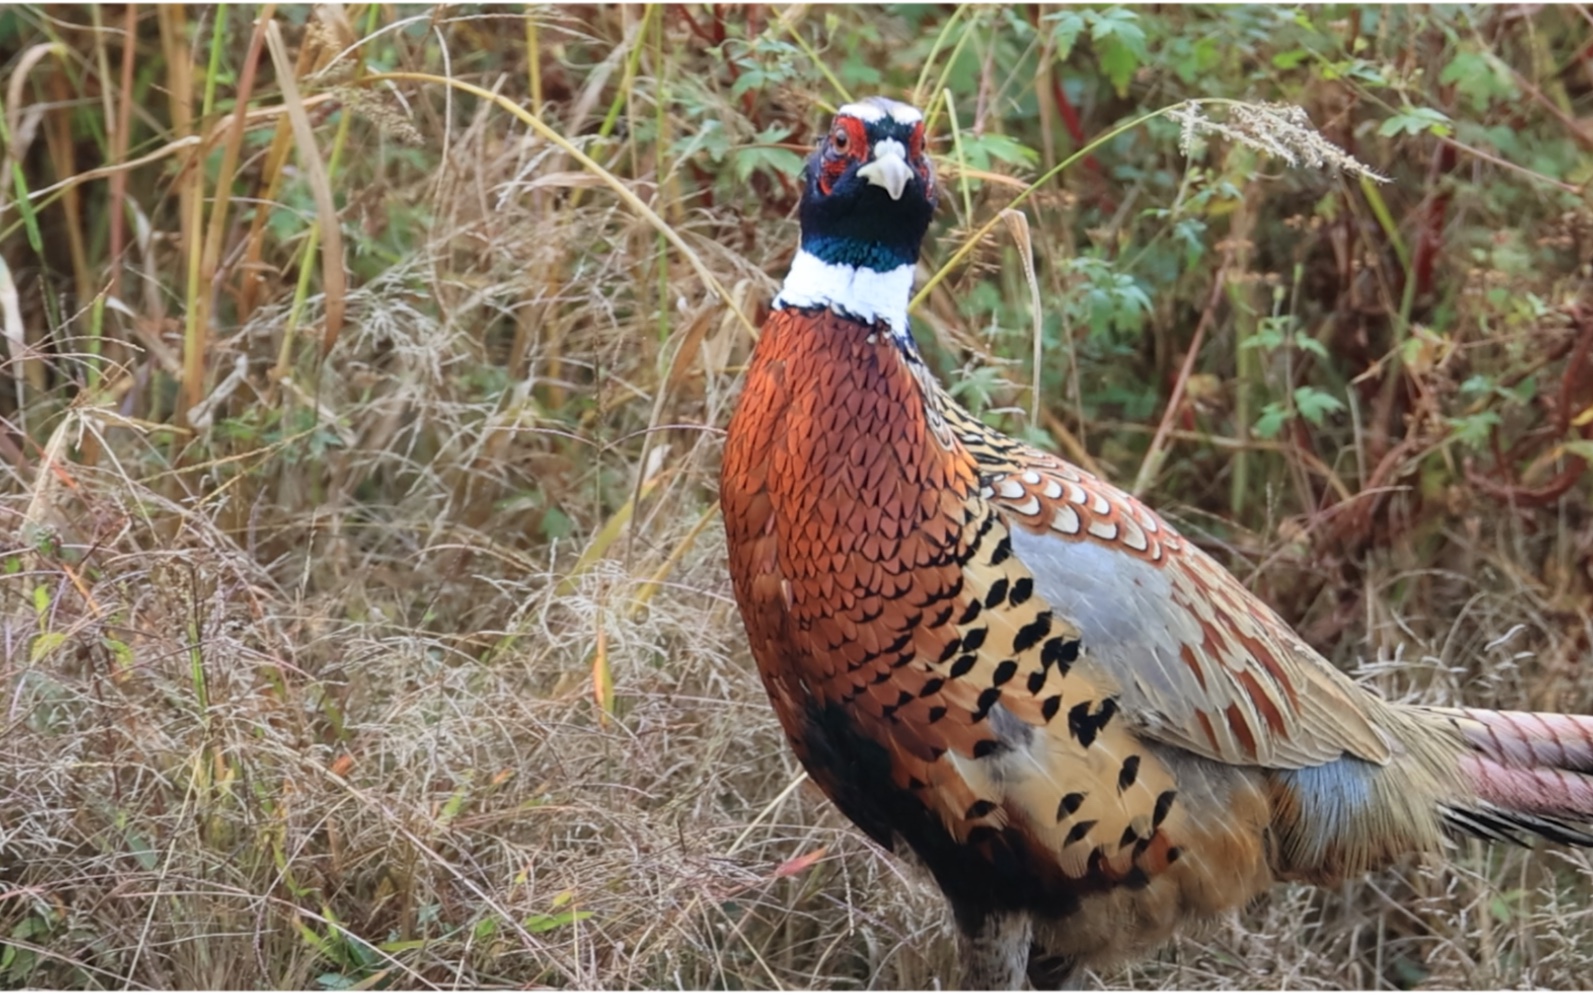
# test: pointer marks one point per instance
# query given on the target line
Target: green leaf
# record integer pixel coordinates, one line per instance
(313, 939)
(541, 923)
(1312, 346)
(783, 161)
(977, 388)
(556, 524)
(403, 946)
(981, 149)
(1190, 233)
(1069, 24)
(142, 850)
(1119, 62)
(1356, 69)
(1522, 393)
(454, 805)
(1119, 43)
(748, 80)
(1290, 59)
(1110, 300)
(753, 158)
(1271, 421)
(44, 644)
(1120, 25)
(710, 137)
(1314, 405)
(859, 75)
(1480, 77)
(1474, 430)
(1415, 121)
(1262, 339)
(1502, 910)
(1190, 59)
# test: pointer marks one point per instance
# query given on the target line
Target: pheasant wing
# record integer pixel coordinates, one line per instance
(1202, 663)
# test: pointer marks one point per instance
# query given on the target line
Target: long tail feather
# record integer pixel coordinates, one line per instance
(1540, 791)
(1530, 771)
(1528, 739)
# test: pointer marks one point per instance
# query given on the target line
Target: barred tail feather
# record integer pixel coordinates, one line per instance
(1543, 791)
(1529, 771)
(1528, 739)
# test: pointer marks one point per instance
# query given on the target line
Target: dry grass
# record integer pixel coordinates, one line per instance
(372, 670)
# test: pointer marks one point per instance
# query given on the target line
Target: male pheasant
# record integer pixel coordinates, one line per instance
(1088, 730)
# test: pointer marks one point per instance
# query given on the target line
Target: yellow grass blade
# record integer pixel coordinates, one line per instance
(614, 183)
(334, 282)
(608, 533)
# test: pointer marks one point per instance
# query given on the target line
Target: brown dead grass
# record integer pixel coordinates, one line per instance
(312, 695)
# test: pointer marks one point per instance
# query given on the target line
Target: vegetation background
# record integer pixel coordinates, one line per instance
(364, 619)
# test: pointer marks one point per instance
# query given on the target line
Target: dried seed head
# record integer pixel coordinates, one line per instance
(381, 111)
(1280, 130)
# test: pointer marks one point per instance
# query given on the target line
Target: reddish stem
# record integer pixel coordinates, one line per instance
(1432, 232)
(693, 26)
(119, 145)
(1573, 387)
(1075, 125)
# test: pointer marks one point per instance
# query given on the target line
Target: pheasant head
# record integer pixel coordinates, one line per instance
(867, 201)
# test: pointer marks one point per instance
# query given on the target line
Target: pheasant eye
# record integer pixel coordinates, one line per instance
(839, 139)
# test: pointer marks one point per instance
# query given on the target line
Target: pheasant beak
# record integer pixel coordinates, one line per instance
(889, 168)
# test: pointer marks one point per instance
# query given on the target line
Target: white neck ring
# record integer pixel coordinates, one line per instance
(867, 294)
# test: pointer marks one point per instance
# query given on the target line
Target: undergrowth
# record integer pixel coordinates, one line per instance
(364, 618)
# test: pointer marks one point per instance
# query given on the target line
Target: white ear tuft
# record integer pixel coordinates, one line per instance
(872, 110)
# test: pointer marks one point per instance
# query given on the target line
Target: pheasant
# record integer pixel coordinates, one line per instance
(1089, 731)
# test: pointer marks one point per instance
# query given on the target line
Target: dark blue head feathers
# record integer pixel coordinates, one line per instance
(869, 190)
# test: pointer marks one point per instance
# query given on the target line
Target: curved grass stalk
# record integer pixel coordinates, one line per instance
(591, 165)
(934, 50)
(985, 229)
(790, 24)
